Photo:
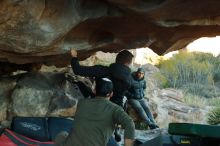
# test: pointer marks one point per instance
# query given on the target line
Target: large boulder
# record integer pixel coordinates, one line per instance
(40, 94)
(43, 31)
(172, 108)
(44, 94)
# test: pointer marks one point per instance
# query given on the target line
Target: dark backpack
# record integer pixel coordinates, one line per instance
(41, 128)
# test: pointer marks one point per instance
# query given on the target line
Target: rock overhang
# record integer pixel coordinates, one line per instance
(43, 32)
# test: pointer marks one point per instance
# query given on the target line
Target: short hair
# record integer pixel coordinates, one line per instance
(104, 86)
(124, 56)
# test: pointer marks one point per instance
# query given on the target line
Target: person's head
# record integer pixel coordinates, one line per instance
(124, 57)
(104, 87)
(140, 73)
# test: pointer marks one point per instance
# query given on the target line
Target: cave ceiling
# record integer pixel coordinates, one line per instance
(43, 31)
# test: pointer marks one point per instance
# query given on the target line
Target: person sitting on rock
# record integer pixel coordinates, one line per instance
(95, 119)
(135, 96)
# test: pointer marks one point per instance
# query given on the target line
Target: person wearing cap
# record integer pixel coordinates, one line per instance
(119, 72)
(95, 119)
(136, 95)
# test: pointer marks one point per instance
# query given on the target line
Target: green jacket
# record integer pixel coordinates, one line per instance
(95, 121)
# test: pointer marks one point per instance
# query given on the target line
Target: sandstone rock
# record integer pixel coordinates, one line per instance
(163, 118)
(174, 110)
(44, 94)
(28, 101)
(150, 69)
(103, 58)
(172, 93)
(106, 56)
(5, 124)
(42, 32)
(6, 87)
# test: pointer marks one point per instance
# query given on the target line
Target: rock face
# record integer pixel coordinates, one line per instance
(42, 31)
(45, 94)
(38, 95)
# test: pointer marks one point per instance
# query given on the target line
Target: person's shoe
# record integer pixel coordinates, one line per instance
(153, 126)
(157, 126)
(117, 136)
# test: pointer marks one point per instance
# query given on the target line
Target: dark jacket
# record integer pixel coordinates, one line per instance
(136, 91)
(119, 74)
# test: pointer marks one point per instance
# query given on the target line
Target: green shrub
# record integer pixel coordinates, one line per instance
(200, 102)
(194, 101)
(212, 60)
(202, 90)
(217, 73)
(214, 101)
(162, 80)
(196, 73)
(214, 116)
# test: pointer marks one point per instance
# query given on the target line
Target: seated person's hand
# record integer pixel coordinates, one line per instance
(73, 53)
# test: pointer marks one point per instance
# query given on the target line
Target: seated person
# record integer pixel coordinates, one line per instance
(95, 119)
(135, 97)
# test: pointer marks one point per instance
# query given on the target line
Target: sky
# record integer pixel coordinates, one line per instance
(204, 44)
